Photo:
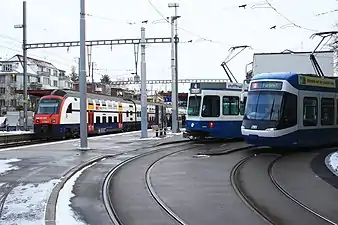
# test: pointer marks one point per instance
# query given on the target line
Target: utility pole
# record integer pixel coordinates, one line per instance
(23, 26)
(82, 79)
(144, 116)
(93, 84)
(174, 86)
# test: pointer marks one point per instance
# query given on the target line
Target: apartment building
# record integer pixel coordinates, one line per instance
(40, 75)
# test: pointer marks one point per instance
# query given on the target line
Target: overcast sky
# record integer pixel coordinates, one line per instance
(213, 26)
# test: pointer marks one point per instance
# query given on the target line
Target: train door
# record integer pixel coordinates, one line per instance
(90, 121)
(120, 116)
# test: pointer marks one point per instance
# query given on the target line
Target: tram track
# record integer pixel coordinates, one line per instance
(270, 217)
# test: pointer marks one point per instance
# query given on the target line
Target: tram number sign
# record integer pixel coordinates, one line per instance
(271, 85)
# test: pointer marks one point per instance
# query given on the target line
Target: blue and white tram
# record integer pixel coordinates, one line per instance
(291, 110)
(215, 111)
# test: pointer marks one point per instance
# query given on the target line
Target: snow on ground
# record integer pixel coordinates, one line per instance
(64, 211)
(332, 162)
(5, 166)
(25, 205)
(14, 132)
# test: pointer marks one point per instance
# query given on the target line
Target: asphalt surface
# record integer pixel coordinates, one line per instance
(305, 185)
(25, 189)
(195, 187)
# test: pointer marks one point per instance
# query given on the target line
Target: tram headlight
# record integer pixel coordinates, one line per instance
(270, 129)
(53, 121)
(211, 125)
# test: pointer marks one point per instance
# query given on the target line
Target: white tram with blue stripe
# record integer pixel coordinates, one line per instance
(291, 110)
(215, 111)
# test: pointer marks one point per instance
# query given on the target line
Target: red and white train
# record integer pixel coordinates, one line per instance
(58, 114)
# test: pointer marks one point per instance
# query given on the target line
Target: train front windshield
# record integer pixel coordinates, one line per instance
(49, 106)
(263, 105)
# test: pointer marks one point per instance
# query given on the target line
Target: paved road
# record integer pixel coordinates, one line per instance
(35, 170)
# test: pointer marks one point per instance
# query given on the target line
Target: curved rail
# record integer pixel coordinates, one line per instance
(289, 196)
(155, 196)
(107, 182)
(236, 186)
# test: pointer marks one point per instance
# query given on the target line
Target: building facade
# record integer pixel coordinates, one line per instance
(40, 75)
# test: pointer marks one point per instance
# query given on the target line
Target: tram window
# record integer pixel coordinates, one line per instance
(127, 114)
(337, 112)
(69, 109)
(310, 111)
(242, 106)
(211, 106)
(98, 119)
(327, 111)
(115, 119)
(110, 119)
(230, 105)
(289, 111)
(104, 119)
(194, 104)
(131, 113)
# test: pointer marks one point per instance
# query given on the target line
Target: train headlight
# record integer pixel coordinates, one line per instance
(211, 125)
(53, 121)
(270, 129)
(37, 121)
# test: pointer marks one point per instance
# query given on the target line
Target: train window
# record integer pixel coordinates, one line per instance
(327, 111)
(310, 111)
(242, 106)
(127, 114)
(131, 113)
(110, 119)
(69, 109)
(98, 119)
(337, 112)
(115, 119)
(211, 106)
(103, 103)
(104, 119)
(194, 104)
(230, 105)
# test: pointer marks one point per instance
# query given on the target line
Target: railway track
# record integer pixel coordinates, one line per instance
(268, 217)
(148, 185)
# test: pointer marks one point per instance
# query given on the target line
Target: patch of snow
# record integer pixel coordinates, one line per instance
(64, 212)
(333, 162)
(15, 132)
(25, 205)
(5, 166)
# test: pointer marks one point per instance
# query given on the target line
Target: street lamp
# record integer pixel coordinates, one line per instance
(23, 26)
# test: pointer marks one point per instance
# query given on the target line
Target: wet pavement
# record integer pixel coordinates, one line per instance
(30, 171)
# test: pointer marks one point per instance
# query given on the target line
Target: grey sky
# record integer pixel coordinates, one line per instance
(220, 21)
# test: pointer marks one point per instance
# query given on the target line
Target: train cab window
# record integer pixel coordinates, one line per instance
(98, 119)
(327, 111)
(230, 105)
(211, 106)
(110, 119)
(115, 119)
(69, 109)
(310, 111)
(104, 119)
(242, 106)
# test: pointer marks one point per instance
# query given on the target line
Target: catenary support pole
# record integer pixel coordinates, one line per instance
(176, 70)
(24, 42)
(144, 115)
(173, 84)
(82, 79)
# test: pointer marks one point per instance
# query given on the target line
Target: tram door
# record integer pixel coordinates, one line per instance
(90, 121)
(120, 116)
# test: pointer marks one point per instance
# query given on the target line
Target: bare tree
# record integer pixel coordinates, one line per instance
(105, 79)
(73, 75)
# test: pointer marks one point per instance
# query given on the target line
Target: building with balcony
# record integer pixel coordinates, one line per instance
(40, 75)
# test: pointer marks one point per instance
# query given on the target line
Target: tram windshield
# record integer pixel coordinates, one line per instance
(194, 105)
(49, 106)
(263, 105)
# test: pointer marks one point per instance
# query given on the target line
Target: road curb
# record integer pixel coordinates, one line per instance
(50, 217)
